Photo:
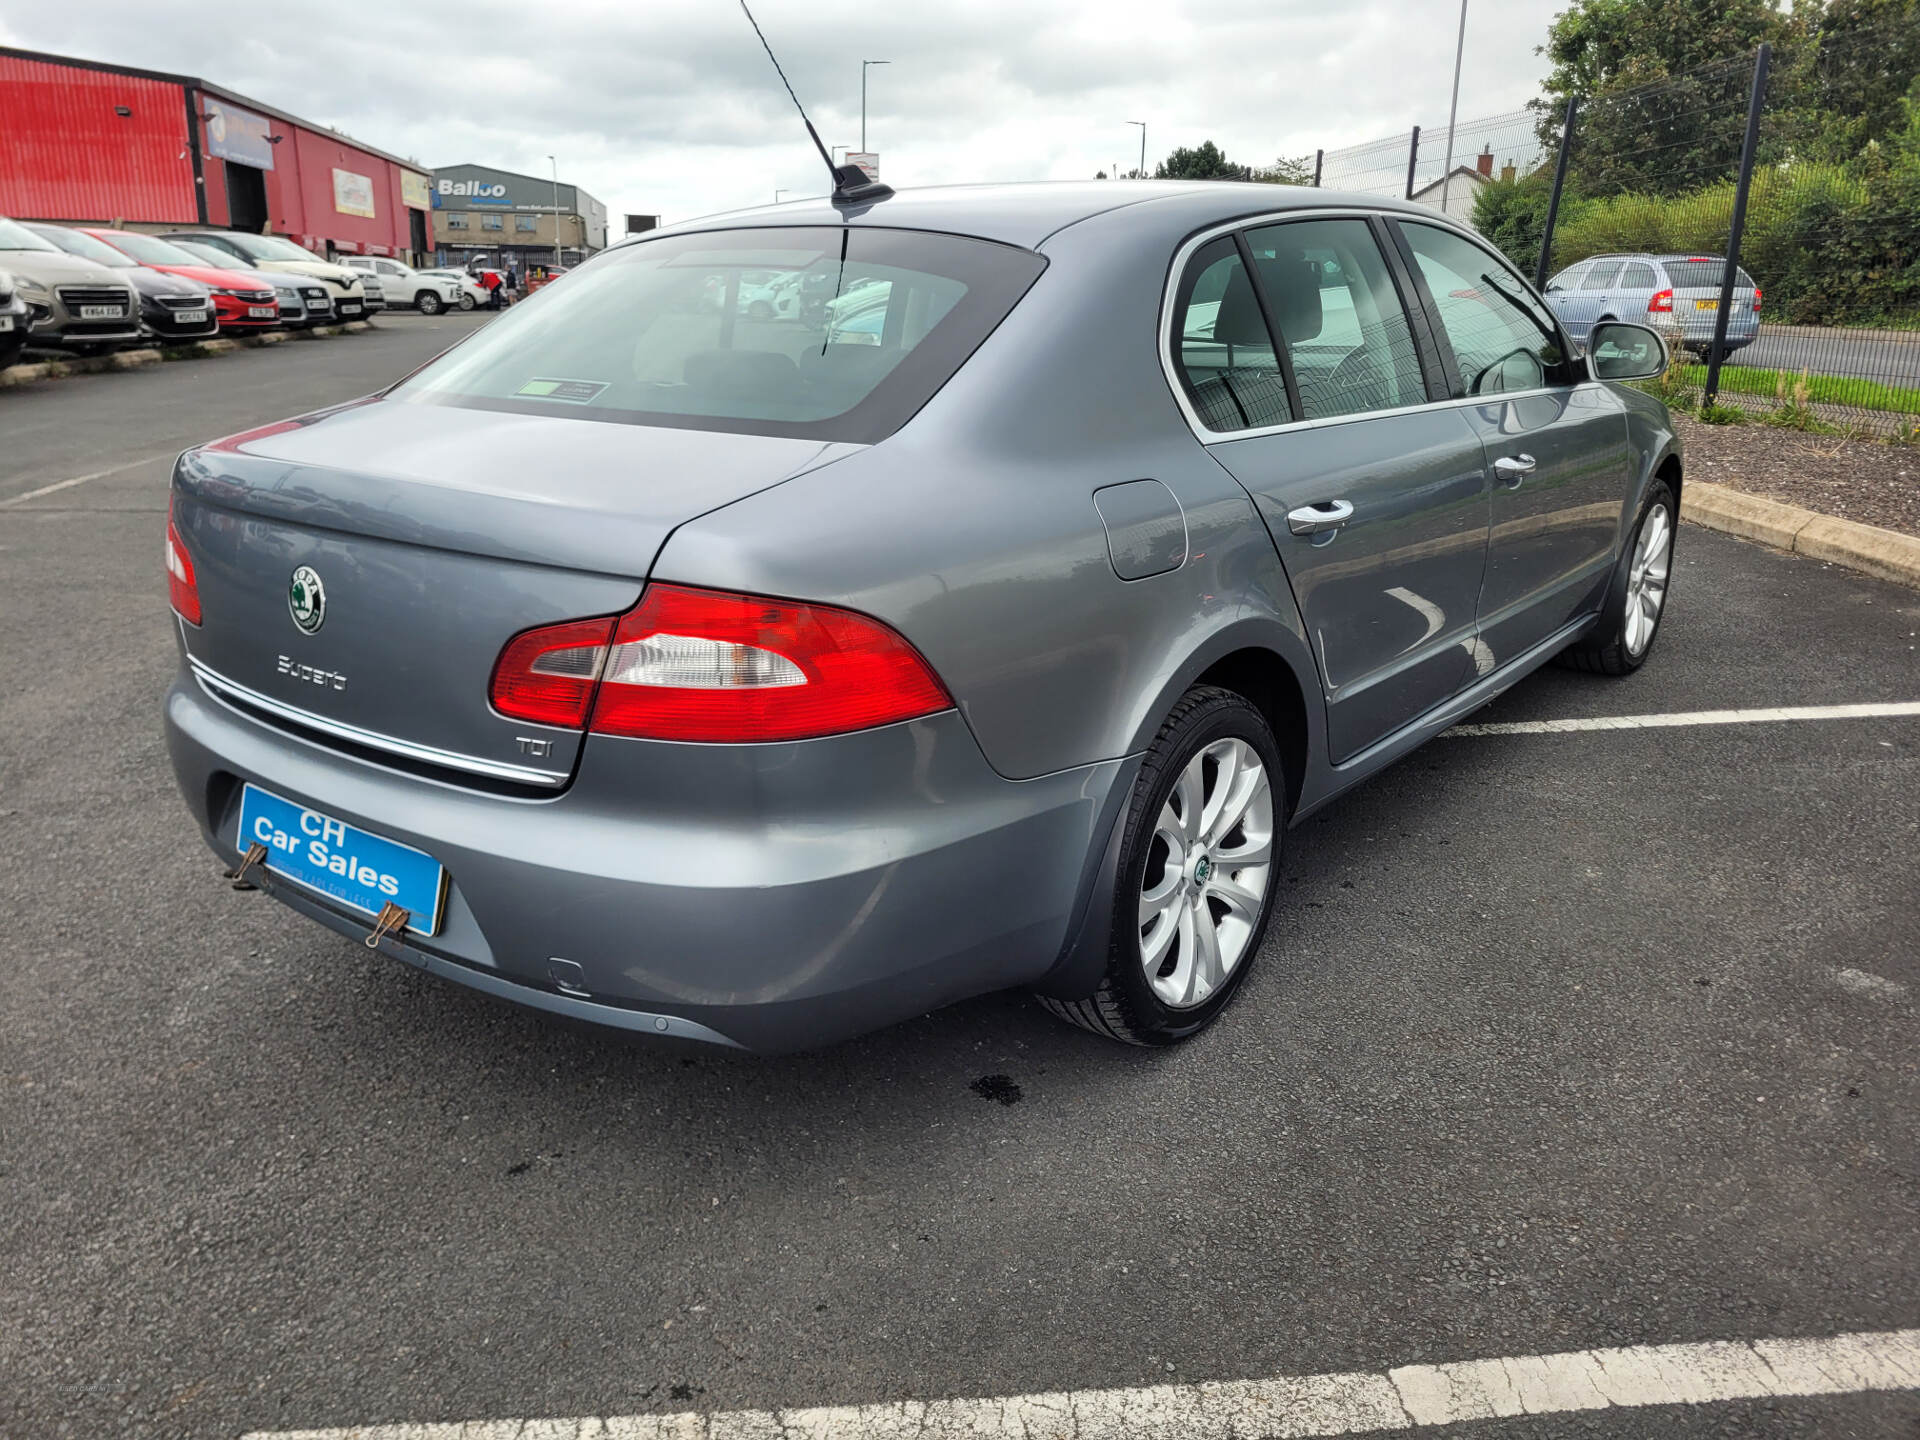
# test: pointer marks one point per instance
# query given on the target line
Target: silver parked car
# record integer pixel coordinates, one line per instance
(1677, 294)
(762, 680)
(71, 302)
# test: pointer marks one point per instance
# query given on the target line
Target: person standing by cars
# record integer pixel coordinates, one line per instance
(496, 286)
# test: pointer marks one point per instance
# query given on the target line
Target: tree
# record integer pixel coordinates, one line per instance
(1513, 215)
(1205, 163)
(1662, 86)
(1287, 170)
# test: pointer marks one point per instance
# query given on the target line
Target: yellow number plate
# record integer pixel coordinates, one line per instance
(1706, 304)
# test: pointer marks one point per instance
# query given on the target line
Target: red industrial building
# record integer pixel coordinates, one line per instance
(89, 143)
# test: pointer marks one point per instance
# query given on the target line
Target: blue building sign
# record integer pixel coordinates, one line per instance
(238, 135)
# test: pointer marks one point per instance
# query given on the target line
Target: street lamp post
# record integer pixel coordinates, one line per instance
(1143, 146)
(863, 99)
(556, 210)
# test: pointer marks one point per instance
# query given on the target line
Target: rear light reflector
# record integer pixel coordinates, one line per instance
(183, 591)
(1661, 303)
(711, 667)
(1756, 299)
(706, 666)
(547, 675)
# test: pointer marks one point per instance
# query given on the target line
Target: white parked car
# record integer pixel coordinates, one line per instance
(471, 294)
(402, 285)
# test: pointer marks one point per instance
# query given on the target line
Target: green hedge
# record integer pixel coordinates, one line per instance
(1828, 245)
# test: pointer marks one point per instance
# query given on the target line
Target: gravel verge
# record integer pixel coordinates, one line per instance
(1861, 480)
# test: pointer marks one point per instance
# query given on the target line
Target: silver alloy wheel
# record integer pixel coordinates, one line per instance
(1647, 579)
(1207, 873)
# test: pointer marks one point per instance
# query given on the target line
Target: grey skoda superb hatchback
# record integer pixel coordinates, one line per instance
(983, 619)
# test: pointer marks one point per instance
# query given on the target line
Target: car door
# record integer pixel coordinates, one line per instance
(396, 281)
(1561, 287)
(1581, 306)
(1376, 499)
(1555, 440)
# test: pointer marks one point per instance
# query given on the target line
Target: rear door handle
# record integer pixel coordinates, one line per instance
(1510, 470)
(1317, 519)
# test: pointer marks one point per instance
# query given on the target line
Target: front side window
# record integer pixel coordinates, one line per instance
(655, 333)
(1340, 317)
(1502, 338)
(1221, 347)
(1567, 279)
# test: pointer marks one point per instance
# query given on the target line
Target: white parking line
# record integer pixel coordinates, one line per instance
(1407, 1398)
(1693, 717)
(59, 485)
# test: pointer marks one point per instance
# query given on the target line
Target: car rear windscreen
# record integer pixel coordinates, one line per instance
(1702, 274)
(829, 333)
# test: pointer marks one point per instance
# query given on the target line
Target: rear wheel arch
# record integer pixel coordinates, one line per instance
(1266, 680)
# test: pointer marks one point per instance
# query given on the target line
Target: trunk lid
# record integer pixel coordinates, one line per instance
(432, 535)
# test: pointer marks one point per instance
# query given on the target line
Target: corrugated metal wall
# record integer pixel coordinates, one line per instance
(69, 156)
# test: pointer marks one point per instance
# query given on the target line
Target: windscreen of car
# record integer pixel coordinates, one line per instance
(205, 254)
(15, 236)
(655, 333)
(88, 248)
(1702, 274)
(151, 251)
(268, 247)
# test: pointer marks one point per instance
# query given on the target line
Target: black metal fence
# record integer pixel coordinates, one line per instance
(1762, 212)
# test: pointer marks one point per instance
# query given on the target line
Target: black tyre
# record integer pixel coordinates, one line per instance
(1199, 867)
(1630, 621)
(428, 303)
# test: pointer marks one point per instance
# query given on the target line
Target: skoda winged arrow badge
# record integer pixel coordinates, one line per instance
(307, 599)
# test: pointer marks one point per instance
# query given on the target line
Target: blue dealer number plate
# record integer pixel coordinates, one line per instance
(341, 862)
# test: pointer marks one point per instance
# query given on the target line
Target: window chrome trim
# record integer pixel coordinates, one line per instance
(1170, 370)
(221, 688)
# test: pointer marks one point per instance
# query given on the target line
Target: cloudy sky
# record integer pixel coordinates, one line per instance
(670, 106)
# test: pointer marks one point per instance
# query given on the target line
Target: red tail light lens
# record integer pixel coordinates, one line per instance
(702, 665)
(183, 592)
(1661, 303)
(547, 675)
(706, 666)
(1756, 299)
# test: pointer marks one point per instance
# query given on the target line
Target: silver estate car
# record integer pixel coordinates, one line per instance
(760, 680)
(1679, 295)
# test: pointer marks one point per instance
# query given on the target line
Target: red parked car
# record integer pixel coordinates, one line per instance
(241, 300)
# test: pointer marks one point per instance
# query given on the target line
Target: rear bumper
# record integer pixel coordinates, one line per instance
(775, 897)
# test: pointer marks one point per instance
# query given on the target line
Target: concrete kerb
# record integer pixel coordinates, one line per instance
(14, 376)
(1887, 554)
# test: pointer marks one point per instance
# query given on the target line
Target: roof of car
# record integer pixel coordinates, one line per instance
(1027, 213)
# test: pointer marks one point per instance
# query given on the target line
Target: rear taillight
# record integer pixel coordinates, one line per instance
(1661, 303)
(1756, 299)
(547, 675)
(183, 593)
(705, 666)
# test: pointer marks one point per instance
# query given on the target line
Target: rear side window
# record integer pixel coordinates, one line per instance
(1502, 338)
(1638, 277)
(1703, 274)
(1222, 349)
(1340, 316)
(828, 333)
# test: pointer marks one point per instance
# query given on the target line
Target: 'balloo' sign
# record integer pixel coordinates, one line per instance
(474, 192)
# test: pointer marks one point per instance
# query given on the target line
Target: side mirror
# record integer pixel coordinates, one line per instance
(1619, 351)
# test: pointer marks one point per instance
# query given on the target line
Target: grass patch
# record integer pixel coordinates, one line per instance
(1820, 389)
